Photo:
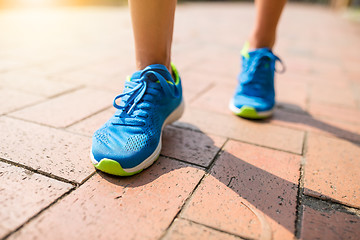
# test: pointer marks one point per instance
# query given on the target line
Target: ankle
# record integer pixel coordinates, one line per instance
(141, 65)
(256, 42)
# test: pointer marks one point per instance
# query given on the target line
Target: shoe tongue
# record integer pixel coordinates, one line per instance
(136, 75)
(159, 68)
(259, 51)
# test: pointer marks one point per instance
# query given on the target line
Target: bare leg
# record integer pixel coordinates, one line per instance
(153, 23)
(267, 17)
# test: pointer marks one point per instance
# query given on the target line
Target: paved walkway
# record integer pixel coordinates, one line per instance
(219, 176)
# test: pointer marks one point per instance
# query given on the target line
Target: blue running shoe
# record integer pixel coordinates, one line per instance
(131, 140)
(254, 97)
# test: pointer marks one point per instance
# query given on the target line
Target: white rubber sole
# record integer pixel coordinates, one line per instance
(238, 111)
(175, 115)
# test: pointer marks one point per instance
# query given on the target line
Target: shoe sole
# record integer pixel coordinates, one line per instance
(111, 166)
(249, 112)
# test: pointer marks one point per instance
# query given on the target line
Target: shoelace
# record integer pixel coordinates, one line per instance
(258, 59)
(138, 92)
(257, 83)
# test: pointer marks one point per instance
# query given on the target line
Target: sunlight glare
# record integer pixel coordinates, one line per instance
(31, 3)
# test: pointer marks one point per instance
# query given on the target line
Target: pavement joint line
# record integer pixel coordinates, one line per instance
(332, 201)
(304, 113)
(300, 197)
(74, 89)
(258, 145)
(74, 67)
(182, 207)
(202, 92)
(339, 206)
(237, 140)
(53, 76)
(73, 132)
(89, 116)
(38, 213)
(217, 155)
(217, 229)
(48, 126)
(33, 122)
(49, 206)
(305, 143)
(183, 161)
(46, 99)
(28, 105)
(300, 194)
(187, 200)
(65, 129)
(61, 179)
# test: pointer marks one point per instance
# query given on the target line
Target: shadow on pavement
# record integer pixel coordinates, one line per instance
(299, 116)
(266, 194)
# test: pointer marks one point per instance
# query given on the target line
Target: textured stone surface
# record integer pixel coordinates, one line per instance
(217, 98)
(251, 192)
(322, 220)
(139, 207)
(96, 76)
(317, 124)
(191, 146)
(82, 71)
(67, 109)
(90, 125)
(256, 132)
(183, 229)
(49, 150)
(291, 95)
(332, 169)
(341, 113)
(340, 96)
(24, 194)
(195, 83)
(34, 84)
(11, 100)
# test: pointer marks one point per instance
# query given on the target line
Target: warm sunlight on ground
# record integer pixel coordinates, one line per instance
(30, 3)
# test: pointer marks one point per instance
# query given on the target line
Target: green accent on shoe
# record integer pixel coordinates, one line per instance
(113, 167)
(249, 112)
(176, 73)
(245, 50)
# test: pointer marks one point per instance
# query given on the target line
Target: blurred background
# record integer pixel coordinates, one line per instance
(42, 3)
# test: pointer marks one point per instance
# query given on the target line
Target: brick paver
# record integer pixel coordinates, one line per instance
(24, 194)
(39, 84)
(322, 220)
(317, 124)
(15, 100)
(191, 146)
(89, 125)
(332, 169)
(294, 175)
(335, 112)
(183, 229)
(46, 149)
(140, 207)
(67, 109)
(260, 186)
(256, 132)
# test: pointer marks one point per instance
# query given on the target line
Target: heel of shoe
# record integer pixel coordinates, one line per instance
(176, 114)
